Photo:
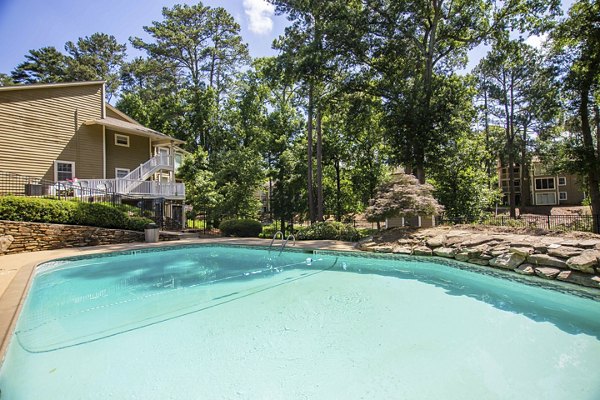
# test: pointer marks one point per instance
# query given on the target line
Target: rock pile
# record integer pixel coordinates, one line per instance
(570, 260)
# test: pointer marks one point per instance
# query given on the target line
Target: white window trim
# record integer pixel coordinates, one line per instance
(121, 169)
(560, 195)
(564, 179)
(56, 162)
(117, 136)
(546, 195)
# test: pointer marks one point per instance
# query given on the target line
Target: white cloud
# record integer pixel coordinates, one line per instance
(536, 41)
(260, 16)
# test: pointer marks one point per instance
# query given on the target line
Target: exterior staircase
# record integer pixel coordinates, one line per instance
(145, 171)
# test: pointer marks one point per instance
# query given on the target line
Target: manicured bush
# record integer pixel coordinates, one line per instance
(31, 209)
(241, 227)
(328, 231)
(102, 215)
(138, 223)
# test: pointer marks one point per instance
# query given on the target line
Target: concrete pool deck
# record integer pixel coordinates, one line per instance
(16, 269)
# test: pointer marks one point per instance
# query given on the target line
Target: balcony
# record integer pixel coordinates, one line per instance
(129, 187)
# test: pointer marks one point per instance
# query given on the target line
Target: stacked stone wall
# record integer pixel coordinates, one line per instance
(570, 260)
(18, 237)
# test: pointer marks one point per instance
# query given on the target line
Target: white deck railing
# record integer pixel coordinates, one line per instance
(133, 187)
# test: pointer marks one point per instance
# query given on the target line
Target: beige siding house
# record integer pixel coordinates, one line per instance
(544, 188)
(67, 132)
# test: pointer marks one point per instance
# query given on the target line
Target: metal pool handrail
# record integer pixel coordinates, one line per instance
(275, 237)
(286, 240)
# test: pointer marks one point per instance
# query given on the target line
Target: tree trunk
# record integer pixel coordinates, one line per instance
(591, 160)
(309, 174)
(320, 211)
(338, 182)
(525, 182)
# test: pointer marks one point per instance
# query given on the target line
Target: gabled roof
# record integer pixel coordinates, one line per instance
(132, 128)
(48, 85)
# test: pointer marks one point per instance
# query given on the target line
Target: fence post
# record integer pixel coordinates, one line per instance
(548, 222)
(597, 223)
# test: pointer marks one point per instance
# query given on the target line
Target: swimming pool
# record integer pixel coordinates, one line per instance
(212, 322)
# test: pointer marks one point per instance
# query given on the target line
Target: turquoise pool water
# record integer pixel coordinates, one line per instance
(213, 322)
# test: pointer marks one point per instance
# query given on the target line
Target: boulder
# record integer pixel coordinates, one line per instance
(525, 269)
(521, 250)
(477, 240)
(546, 261)
(580, 278)
(5, 242)
(446, 252)
(589, 243)
(402, 250)
(462, 256)
(381, 249)
(565, 251)
(478, 261)
(585, 262)
(437, 241)
(507, 260)
(547, 272)
(422, 251)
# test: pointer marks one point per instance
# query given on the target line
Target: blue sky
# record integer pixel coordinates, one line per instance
(32, 24)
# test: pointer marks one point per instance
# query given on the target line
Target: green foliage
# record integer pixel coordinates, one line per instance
(46, 65)
(328, 231)
(461, 183)
(241, 227)
(28, 209)
(97, 57)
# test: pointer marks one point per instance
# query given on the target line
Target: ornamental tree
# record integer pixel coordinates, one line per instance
(402, 196)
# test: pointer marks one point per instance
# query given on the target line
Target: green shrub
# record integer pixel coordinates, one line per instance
(328, 231)
(138, 223)
(104, 215)
(240, 227)
(268, 231)
(31, 209)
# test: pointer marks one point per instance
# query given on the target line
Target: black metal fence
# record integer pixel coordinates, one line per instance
(152, 208)
(21, 185)
(562, 223)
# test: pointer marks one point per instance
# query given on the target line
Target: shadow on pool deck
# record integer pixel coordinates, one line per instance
(16, 269)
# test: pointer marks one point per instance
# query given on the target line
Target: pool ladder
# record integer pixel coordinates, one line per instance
(283, 242)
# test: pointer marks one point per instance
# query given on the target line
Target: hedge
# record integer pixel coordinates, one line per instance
(31, 209)
(328, 231)
(241, 227)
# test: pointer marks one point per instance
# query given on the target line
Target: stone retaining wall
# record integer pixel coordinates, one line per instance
(570, 260)
(18, 237)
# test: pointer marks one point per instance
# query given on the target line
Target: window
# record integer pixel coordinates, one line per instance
(178, 161)
(64, 170)
(545, 198)
(562, 195)
(121, 140)
(517, 183)
(544, 183)
(120, 173)
(562, 181)
(504, 183)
